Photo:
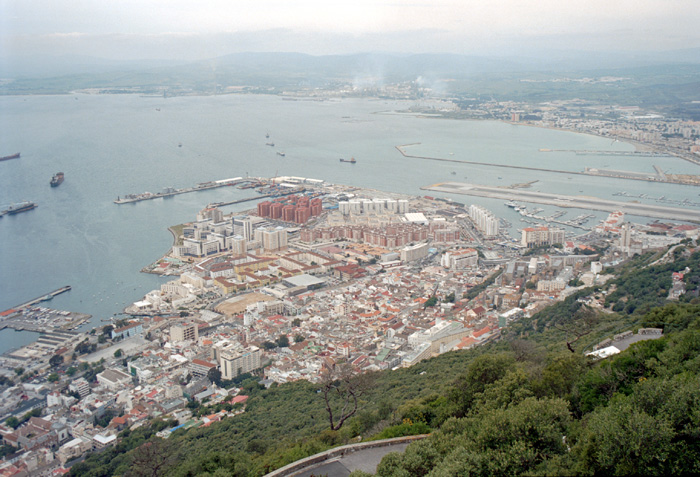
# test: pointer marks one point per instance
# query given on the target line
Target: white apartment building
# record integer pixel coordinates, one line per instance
(415, 252)
(236, 362)
(536, 236)
(272, 240)
(460, 259)
(485, 221)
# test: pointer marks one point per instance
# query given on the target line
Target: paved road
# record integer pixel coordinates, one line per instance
(560, 200)
(365, 460)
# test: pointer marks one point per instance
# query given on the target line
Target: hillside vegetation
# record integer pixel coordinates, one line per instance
(525, 405)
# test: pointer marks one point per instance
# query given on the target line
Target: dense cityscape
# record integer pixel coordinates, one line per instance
(349, 239)
(316, 275)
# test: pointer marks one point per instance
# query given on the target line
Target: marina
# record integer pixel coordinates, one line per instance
(567, 201)
(576, 222)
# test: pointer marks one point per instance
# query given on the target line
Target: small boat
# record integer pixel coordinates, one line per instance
(351, 161)
(271, 144)
(179, 144)
(281, 154)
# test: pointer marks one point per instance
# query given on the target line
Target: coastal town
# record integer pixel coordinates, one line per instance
(316, 276)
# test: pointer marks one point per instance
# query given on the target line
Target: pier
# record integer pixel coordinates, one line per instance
(567, 201)
(296, 190)
(46, 297)
(692, 180)
(169, 192)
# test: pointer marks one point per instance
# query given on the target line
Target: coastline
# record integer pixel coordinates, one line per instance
(638, 146)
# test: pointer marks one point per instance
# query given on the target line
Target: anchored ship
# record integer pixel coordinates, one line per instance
(57, 179)
(12, 156)
(18, 208)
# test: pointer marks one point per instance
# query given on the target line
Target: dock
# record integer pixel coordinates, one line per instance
(296, 190)
(567, 201)
(45, 297)
(170, 192)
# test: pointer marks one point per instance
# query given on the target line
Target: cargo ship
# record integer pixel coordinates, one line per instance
(18, 208)
(351, 161)
(12, 156)
(57, 179)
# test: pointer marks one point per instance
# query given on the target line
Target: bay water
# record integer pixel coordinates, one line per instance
(112, 145)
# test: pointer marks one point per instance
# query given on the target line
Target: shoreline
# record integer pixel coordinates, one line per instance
(638, 146)
(176, 238)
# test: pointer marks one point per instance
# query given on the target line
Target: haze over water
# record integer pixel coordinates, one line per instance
(112, 145)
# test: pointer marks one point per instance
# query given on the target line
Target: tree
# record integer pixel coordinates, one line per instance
(71, 371)
(6, 450)
(53, 377)
(621, 439)
(298, 338)
(432, 301)
(481, 372)
(283, 341)
(19, 371)
(342, 389)
(13, 422)
(102, 339)
(153, 458)
(118, 353)
(296, 322)
(268, 345)
(582, 323)
(56, 360)
(214, 376)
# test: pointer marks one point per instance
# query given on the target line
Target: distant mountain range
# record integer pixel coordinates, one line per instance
(669, 79)
(390, 65)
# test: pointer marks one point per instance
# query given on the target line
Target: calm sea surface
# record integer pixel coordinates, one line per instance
(112, 145)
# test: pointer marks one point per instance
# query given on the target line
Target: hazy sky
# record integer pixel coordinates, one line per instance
(187, 29)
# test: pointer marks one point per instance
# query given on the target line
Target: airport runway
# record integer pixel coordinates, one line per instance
(568, 201)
